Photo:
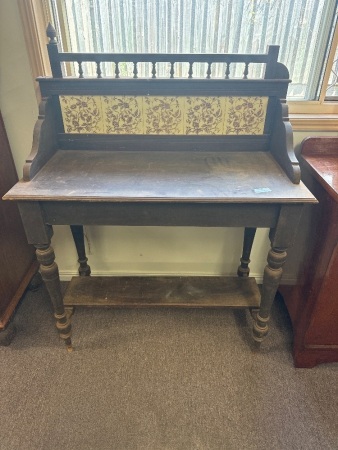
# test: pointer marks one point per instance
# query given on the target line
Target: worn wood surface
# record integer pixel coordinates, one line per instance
(313, 302)
(325, 169)
(74, 86)
(162, 176)
(319, 156)
(319, 146)
(229, 143)
(17, 259)
(50, 275)
(44, 140)
(163, 180)
(281, 144)
(163, 291)
(156, 214)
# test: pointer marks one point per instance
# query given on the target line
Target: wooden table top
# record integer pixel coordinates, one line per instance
(118, 176)
(321, 157)
(327, 171)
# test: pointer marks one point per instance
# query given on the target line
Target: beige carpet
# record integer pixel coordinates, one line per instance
(160, 379)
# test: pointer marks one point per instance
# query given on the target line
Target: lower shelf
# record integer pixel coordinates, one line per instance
(197, 292)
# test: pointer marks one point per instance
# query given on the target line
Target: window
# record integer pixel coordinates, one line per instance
(332, 86)
(304, 29)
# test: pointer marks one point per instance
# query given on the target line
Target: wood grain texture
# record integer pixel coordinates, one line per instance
(319, 156)
(158, 214)
(164, 143)
(50, 275)
(312, 303)
(17, 262)
(44, 140)
(313, 146)
(162, 176)
(195, 87)
(185, 292)
(281, 144)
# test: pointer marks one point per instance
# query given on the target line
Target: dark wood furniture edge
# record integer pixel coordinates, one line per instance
(44, 140)
(313, 146)
(318, 177)
(312, 149)
(281, 143)
(306, 355)
(19, 293)
(18, 263)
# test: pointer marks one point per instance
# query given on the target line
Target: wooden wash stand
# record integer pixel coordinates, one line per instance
(162, 152)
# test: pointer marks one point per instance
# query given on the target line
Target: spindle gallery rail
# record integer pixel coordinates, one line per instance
(56, 57)
(162, 152)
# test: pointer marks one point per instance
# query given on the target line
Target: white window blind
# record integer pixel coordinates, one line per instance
(302, 28)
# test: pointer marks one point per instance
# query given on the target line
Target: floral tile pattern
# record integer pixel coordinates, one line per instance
(245, 115)
(122, 114)
(204, 115)
(81, 114)
(165, 115)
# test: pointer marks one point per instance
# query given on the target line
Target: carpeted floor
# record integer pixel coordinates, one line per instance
(160, 379)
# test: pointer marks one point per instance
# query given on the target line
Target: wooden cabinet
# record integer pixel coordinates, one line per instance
(17, 261)
(313, 302)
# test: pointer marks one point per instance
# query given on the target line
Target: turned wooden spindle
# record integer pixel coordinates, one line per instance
(172, 69)
(50, 275)
(117, 70)
(98, 69)
(80, 69)
(190, 70)
(135, 70)
(227, 70)
(78, 236)
(153, 70)
(209, 70)
(249, 235)
(272, 275)
(246, 71)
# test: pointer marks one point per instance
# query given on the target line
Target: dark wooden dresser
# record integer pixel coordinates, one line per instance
(313, 302)
(18, 262)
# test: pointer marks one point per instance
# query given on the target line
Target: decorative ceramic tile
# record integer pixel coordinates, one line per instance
(245, 115)
(154, 115)
(204, 115)
(81, 114)
(163, 115)
(122, 114)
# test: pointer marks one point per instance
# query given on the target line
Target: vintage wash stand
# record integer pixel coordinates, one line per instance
(162, 151)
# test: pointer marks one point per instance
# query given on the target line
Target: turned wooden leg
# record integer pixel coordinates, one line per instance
(272, 275)
(78, 236)
(50, 275)
(249, 235)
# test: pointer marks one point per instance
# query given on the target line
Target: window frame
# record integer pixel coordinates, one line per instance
(316, 115)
